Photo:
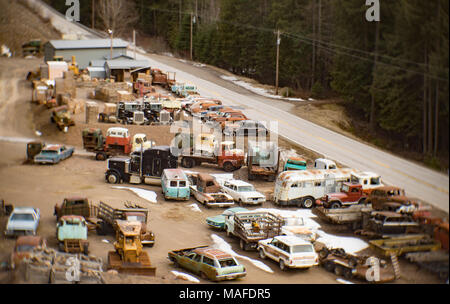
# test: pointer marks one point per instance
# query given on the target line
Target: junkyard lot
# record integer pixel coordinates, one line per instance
(175, 225)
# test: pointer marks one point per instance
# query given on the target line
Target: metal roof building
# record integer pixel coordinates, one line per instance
(84, 50)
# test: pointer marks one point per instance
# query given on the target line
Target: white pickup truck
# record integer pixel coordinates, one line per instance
(289, 252)
(242, 192)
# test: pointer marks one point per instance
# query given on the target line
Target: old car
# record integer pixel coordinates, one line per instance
(391, 198)
(23, 221)
(289, 252)
(24, 246)
(245, 128)
(218, 221)
(53, 154)
(209, 263)
(207, 191)
(243, 192)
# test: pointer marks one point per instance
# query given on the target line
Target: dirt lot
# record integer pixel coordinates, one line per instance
(174, 223)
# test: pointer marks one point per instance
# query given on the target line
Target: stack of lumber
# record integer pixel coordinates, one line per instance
(91, 112)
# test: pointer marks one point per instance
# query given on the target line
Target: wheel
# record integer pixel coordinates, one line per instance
(282, 265)
(86, 249)
(243, 245)
(338, 270)
(362, 201)
(228, 167)
(61, 247)
(187, 162)
(113, 178)
(308, 202)
(203, 276)
(239, 202)
(329, 266)
(100, 156)
(335, 205)
(353, 262)
(262, 255)
(323, 253)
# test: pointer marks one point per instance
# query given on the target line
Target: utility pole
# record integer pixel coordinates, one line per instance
(191, 36)
(93, 14)
(278, 58)
(111, 48)
(134, 43)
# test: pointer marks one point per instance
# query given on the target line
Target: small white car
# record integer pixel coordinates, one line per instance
(243, 192)
(23, 221)
(289, 252)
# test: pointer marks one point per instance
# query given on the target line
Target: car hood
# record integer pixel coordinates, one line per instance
(337, 195)
(252, 194)
(20, 225)
(216, 219)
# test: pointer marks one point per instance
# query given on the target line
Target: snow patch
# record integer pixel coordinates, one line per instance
(349, 244)
(258, 91)
(185, 276)
(145, 194)
(221, 244)
(194, 207)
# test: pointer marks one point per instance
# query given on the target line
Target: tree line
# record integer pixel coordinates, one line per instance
(392, 73)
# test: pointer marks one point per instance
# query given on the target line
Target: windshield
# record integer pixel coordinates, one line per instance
(245, 188)
(22, 217)
(302, 248)
(344, 188)
(375, 181)
(227, 262)
(139, 218)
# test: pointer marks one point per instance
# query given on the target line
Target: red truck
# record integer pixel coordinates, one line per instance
(351, 194)
(116, 142)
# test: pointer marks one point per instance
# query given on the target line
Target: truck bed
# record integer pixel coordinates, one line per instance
(342, 215)
(268, 225)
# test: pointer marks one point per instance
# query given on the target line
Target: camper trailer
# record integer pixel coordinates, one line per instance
(302, 187)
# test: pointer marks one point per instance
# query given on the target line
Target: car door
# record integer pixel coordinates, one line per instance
(271, 249)
(190, 262)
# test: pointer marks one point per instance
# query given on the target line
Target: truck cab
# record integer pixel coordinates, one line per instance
(118, 139)
(71, 233)
(351, 194)
(325, 164)
(140, 140)
(368, 180)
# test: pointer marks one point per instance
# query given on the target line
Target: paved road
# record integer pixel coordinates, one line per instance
(417, 180)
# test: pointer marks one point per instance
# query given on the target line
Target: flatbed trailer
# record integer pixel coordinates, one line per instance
(404, 244)
(351, 216)
(251, 227)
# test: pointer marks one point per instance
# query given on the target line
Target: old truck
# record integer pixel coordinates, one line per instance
(164, 79)
(387, 224)
(141, 167)
(71, 233)
(209, 263)
(295, 163)
(207, 191)
(131, 113)
(352, 266)
(23, 221)
(228, 158)
(107, 215)
(368, 180)
(253, 226)
(129, 256)
(76, 206)
(350, 194)
(391, 198)
(109, 113)
(262, 160)
(62, 118)
(33, 149)
(140, 141)
(116, 142)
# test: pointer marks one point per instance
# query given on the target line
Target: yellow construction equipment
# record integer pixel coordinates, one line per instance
(73, 66)
(129, 256)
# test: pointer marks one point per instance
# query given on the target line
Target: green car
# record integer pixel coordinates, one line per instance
(210, 263)
(218, 221)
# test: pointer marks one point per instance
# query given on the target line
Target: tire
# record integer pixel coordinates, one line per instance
(338, 270)
(282, 265)
(203, 276)
(86, 249)
(329, 266)
(362, 201)
(243, 245)
(262, 255)
(239, 202)
(228, 167)
(61, 246)
(101, 156)
(323, 253)
(335, 205)
(113, 178)
(308, 202)
(187, 162)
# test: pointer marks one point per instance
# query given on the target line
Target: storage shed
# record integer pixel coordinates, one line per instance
(84, 50)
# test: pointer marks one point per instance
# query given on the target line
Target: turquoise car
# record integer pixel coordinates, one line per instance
(175, 185)
(218, 221)
(295, 163)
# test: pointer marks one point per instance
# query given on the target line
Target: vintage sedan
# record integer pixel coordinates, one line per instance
(218, 221)
(53, 154)
(23, 221)
(209, 263)
(243, 192)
